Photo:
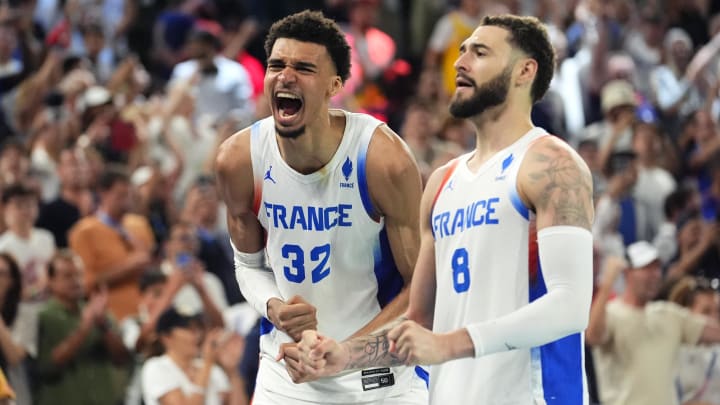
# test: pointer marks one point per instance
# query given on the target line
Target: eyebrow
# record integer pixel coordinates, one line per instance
(296, 65)
(475, 46)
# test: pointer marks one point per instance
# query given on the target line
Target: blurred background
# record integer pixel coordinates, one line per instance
(113, 247)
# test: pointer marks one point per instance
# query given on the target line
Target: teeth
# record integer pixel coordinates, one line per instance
(287, 95)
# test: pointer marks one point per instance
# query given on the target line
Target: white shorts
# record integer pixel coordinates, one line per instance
(417, 395)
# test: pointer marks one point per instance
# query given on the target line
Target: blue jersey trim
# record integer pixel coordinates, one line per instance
(389, 279)
(561, 361)
(562, 371)
(362, 182)
(424, 375)
(265, 326)
(517, 202)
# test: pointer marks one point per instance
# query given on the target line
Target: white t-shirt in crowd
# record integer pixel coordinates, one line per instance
(32, 255)
(188, 299)
(160, 375)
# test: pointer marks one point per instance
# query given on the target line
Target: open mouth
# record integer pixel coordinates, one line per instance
(288, 105)
(463, 82)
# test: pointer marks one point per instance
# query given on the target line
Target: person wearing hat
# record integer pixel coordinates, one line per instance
(636, 340)
(177, 378)
(614, 132)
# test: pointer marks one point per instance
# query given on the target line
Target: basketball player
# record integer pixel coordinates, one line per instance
(515, 334)
(332, 198)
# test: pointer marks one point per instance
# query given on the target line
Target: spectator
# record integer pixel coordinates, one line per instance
(702, 141)
(372, 53)
(97, 52)
(420, 133)
(698, 365)
(201, 209)
(619, 219)
(17, 330)
(698, 249)
(221, 86)
(78, 345)
(154, 202)
(31, 247)
(202, 292)
(74, 201)
(449, 32)
(106, 129)
(637, 341)
(677, 205)
(614, 132)
(10, 67)
(654, 183)
(115, 246)
(674, 90)
(14, 163)
(48, 135)
(156, 295)
(174, 378)
(711, 198)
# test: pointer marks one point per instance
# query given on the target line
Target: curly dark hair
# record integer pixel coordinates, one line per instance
(530, 36)
(313, 26)
(12, 296)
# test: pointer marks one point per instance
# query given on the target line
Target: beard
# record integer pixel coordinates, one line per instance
(291, 133)
(491, 94)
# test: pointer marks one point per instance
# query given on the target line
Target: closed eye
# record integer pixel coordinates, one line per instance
(275, 66)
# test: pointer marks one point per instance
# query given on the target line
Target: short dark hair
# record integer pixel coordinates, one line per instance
(111, 176)
(676, 202)
(530, 36)
(618, 162)
(17, 190)
(62, 254)
(204, 37)
(16, 143)
(313, 26)
(171, 318)
(151, 278)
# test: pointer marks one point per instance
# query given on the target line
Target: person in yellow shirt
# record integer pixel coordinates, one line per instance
(115, 245)
(449, 32)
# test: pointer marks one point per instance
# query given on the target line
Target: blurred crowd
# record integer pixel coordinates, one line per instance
(116, 272)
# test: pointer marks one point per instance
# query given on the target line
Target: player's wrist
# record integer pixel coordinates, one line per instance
(272, 308)
(457, 345)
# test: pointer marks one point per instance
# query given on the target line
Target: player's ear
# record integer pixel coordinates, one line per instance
(527, 70)
(336, 84)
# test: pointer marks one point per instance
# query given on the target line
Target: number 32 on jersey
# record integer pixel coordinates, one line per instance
(319, 256)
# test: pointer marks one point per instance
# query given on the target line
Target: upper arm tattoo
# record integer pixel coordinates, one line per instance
(564, 190)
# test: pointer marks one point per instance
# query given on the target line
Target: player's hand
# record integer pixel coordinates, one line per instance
(319, 356)
(291, 354)
(416, 345)
(292, 317)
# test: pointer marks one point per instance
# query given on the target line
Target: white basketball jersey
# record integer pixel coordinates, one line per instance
(326, 243)
(486, 267)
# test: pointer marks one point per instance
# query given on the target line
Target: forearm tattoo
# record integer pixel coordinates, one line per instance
(373, 350)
